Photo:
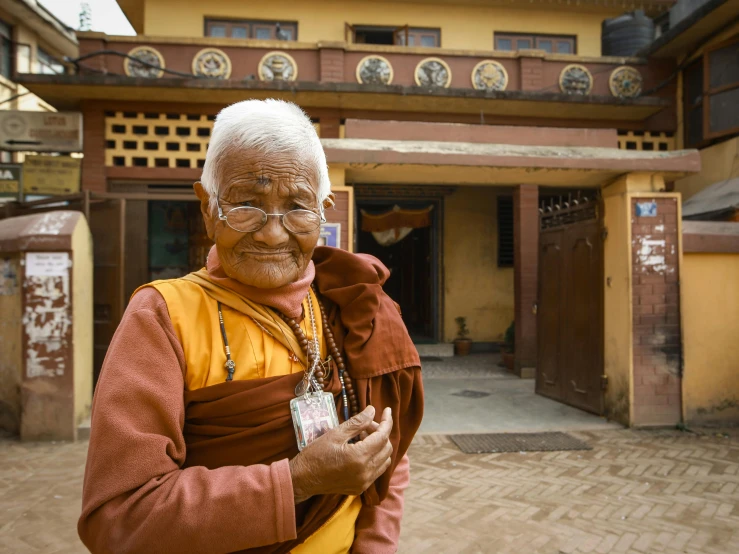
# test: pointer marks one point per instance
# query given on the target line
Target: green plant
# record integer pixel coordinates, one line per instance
(509, 339)
(462, 331)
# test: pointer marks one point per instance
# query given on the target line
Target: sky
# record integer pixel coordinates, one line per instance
(107, 17)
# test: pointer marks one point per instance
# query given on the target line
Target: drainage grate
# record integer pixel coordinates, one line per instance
(517, 442)
(431, 359)
(471, 394)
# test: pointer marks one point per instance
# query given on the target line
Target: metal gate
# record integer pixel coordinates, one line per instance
(570, 303)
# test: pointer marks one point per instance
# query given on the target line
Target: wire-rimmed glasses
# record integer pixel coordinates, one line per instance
(248, 219)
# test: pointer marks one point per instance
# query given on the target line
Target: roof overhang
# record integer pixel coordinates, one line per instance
(68, 92)
(695, 29)
(462, 163)
(51, 31)
(134, 12)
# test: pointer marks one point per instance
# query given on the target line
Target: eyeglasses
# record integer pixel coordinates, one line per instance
(248, 219)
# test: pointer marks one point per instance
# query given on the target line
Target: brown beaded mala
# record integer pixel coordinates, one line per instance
(323, 373)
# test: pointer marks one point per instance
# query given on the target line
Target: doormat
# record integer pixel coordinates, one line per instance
(431, 359)
(471, 394)
(517, 442)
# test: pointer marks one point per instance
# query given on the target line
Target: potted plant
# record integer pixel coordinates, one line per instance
(509, 346)
(462, 344)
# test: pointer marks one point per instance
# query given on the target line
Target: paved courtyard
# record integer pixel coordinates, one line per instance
(635, 491)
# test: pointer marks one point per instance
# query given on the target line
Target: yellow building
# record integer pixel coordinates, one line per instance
(32, 40)
(535, 173)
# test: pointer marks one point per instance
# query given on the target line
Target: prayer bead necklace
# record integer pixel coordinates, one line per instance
(323, 373)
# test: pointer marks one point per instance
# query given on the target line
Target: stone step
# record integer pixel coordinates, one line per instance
(83, 430)
(439, 350)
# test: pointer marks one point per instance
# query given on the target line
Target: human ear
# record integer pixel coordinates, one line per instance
(209, 216)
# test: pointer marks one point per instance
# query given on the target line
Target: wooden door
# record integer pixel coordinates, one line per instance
(570, 307)
(107, 224)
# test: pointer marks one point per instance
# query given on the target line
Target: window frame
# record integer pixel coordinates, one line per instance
(49, 62)
(401, 34)
(251, 26)
(504, 206)
(6, 39)
(708, 92)
(535, 38)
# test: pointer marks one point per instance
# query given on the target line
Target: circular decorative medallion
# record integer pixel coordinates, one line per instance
(625, 82)
(575, 79)
(489, 75)
(150, 56)
(433, 72)
(277, 66)
(211, 63)
(374, 70)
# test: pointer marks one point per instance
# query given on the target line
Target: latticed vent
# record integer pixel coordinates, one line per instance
(135, 139)
(156, 139)
(644, 140)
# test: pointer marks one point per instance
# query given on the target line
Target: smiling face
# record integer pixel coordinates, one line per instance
(272, 256)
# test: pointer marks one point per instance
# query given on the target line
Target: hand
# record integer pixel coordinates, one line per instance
(331, 465)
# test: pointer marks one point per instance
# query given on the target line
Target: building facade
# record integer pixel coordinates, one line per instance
(488, 152)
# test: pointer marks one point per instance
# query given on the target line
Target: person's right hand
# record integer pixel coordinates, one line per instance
(333, 465)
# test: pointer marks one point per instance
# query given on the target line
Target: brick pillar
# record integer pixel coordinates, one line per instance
(532, 71)
(525, 263)
(656, 311)
(93, 144)
(331, 61)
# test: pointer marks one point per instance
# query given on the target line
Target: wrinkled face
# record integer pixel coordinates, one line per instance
(271, 256)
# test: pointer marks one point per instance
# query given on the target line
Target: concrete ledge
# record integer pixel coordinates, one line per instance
(710, 237)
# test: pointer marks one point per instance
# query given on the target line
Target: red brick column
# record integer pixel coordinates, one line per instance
(525, 263)
(331, 62)
(532, 73)
(656, 312)
(93, 142)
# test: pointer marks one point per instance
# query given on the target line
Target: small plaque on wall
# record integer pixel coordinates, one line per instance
(646, 209)
(330, 235)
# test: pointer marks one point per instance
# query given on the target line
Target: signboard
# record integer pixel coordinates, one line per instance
(10, 178)
(330, 235)
(47, 264)
(51, 175)
(41, 131)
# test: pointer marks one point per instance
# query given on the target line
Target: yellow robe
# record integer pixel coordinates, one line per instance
(258, 354)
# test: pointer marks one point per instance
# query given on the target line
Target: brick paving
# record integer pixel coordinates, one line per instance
(636, 491)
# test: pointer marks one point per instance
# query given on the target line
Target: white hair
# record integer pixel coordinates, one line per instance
(269, 127)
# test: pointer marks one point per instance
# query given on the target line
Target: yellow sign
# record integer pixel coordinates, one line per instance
(51, 175)
(10, 175)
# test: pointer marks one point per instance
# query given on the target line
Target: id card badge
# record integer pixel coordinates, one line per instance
(313, 414)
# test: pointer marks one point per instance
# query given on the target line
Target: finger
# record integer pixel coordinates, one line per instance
(375, 442)
(354, 426)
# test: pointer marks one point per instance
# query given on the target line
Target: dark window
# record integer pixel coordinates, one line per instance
(6, 50)
(48, 64)
(711, 95)
(398, 36)
(505, 231)
(549, 43)
(261, 30)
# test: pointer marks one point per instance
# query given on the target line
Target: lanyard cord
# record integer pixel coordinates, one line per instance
(230, 364)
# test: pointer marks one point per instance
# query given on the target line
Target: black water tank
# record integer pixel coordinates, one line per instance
(626, 34)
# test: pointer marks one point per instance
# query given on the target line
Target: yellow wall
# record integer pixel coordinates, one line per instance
(82, 314)
(11, 352)
(618, 358)
(468, 27)
(710, 331)
(718, 163)
(474, 286)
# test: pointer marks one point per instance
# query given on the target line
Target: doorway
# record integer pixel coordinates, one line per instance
(407, 242)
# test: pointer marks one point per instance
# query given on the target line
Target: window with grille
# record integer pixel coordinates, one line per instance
(554, 44)
(505, 231)
(260, 30)
(6, 50)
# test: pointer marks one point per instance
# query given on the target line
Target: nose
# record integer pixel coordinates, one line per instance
(273, 234)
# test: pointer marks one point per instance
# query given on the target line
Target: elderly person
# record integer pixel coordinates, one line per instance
(214, 382)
